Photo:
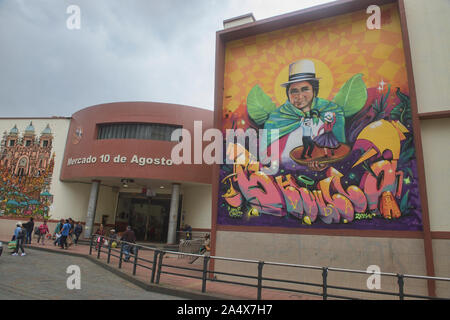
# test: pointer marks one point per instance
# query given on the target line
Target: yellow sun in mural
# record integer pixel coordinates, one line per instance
(322, 71)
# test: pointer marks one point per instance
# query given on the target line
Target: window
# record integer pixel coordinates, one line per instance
(45, 143)
(12, 143)
(141, 131)
(27, 143)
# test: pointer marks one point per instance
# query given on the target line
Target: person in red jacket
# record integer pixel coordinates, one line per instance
(43, 230)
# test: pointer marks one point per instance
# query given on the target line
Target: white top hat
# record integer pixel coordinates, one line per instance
(301, 70)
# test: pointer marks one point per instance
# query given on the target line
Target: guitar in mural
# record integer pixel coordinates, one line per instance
(26, 166)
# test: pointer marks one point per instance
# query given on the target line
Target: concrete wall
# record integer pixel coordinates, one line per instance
(427, 24)
(428, 28)
(441, 255)
(106, 204)
(197, 206)
(436, 150)
(391, 255)
(7, 227)
(71, 200)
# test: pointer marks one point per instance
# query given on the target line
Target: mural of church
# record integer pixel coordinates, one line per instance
(26, 168)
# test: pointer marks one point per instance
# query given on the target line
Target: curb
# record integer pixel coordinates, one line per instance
(158, 288)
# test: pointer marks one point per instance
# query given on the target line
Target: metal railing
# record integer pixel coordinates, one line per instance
(193, 235)
(323, 287)
(189, 246)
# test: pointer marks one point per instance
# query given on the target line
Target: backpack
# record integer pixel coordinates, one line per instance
(36, 231)
(21, 234)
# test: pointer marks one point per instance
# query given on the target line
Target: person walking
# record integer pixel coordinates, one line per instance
(129, 237)
(77, 232)
(71, 234)
(64, 234)
(20, 234)
(43, 230)
(29, 226)
(100, 233)
(58, 232)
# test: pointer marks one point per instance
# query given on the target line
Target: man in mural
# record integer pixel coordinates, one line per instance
(302, 89)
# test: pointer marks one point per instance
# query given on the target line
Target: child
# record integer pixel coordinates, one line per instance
(113, 238)
(327, 140)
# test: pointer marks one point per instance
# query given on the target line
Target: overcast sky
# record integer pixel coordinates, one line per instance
(133, 50)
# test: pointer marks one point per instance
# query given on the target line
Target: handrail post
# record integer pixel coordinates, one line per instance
(158, 274)
(155, 259)
(401, 286)
(109, 251)
(120, 256)
(90, 244)
(136, 249)
(260, 270)
(99, 247)
(324, 283)
(205, 272)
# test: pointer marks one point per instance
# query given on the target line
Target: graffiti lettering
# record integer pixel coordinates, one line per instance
(281, 195)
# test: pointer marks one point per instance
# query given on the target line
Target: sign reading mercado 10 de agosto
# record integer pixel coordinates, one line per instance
(338, 94)
(119, 159)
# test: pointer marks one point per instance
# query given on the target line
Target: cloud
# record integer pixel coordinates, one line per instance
(132, 50)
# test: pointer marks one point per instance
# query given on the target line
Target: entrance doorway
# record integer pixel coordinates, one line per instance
(147, 216)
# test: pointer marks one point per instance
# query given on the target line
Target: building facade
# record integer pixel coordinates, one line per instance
(107, 164)
(358, 174)
(357, 111)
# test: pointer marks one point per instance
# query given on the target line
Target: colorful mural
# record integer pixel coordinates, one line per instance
(338, 95)
(26, 167)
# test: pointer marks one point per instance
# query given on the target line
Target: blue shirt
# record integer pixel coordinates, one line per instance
(65, 230)
(16, 231)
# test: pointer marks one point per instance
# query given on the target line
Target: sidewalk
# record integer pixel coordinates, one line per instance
(184, 286)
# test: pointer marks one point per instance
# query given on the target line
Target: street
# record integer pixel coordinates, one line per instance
(42, 275)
